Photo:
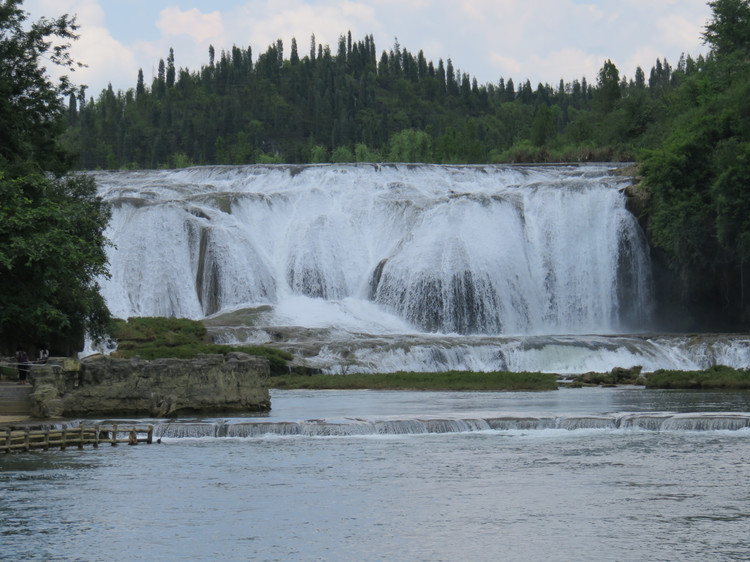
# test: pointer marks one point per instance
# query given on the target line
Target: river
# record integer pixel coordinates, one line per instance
(585, 474)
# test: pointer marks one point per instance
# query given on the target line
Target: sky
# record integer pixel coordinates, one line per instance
(539, 40)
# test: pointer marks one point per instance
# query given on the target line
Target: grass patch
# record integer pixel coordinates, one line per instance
(181, 338)
(451, 380)
(718, 377)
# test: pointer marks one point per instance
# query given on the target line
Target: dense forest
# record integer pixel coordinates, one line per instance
(354, 106)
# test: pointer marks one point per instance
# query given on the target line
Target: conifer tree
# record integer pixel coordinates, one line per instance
(171, 73)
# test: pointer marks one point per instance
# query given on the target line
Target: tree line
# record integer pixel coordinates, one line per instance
(353, 106)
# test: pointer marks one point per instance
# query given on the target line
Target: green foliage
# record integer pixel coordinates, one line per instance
(181, 160)
(321, 108)
(729, 30)
(608, 88)
(318, 154)
(452, 380)
(543, 127)
(159, 331)
(51, 229)
(718, 377)
(30, 105)
(182, 338)
(699, 177)
(410, 146)
(363, 154)
(342, 154)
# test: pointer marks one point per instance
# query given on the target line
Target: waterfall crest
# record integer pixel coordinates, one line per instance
(488, 250)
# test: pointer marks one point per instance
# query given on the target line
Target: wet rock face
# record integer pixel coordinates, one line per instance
(106, 386)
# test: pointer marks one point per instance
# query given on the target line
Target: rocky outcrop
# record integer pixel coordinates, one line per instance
(105, 386)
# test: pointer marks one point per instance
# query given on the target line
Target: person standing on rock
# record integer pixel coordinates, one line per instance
(22, 363)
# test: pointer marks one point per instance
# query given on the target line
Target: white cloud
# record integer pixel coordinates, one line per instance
(106, 59)
(201, 27)
(263, 23)
(506, 66)
(680, 32)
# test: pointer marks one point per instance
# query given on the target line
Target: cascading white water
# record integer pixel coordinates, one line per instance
(465, 250)
(367, 268)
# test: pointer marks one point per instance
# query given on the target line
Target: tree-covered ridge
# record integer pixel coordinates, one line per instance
(352, 105)
(698, 178)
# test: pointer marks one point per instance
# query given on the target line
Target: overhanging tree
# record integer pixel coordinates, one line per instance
(52, 246)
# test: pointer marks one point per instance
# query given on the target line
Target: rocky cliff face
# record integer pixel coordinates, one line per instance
(105, 386)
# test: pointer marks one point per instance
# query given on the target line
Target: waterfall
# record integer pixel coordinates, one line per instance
(381, 249)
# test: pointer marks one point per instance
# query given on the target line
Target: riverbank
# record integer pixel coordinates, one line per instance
(715, 378)
(452, 380)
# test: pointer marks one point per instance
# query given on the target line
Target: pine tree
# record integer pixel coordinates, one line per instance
(294, 56)
(170, 69)
(729, 30)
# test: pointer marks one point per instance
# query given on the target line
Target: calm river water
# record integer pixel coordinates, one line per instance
(576, 474)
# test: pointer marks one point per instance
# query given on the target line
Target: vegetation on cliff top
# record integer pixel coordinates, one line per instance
(151, 338)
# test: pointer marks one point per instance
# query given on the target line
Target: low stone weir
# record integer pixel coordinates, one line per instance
(258, 428)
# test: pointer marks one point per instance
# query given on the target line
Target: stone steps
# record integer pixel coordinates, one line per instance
(14, 399)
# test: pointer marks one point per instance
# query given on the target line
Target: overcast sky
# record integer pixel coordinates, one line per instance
(540, 40)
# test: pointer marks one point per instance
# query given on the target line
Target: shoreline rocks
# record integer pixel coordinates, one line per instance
(107, 386)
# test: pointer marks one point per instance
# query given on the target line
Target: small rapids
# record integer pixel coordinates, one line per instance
(258, 428)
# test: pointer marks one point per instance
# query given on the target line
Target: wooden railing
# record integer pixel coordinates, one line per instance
(113, 433)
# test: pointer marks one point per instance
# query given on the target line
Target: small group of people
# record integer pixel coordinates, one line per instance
(23, 363)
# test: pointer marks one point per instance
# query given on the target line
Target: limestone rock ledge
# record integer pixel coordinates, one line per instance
(105, 386)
